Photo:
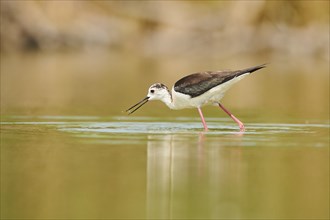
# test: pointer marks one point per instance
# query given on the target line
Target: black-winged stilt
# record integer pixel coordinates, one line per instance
(197, 90)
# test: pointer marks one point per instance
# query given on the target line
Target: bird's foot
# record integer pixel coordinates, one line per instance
(241, 127)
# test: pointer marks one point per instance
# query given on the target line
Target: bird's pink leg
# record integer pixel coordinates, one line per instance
(240, 124)
(203, 120)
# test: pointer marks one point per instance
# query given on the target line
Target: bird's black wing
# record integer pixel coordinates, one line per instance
(198, 83)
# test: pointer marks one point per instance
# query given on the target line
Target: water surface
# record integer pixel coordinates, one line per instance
(148, 167)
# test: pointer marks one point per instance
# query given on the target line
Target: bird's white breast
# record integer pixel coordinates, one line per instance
(211, 96)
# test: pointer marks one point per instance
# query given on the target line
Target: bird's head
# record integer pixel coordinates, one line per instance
(157, 91)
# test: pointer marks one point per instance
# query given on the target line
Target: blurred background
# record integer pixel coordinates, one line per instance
(100, 57)
(70, 68)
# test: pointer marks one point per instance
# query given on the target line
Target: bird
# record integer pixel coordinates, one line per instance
(197, 90)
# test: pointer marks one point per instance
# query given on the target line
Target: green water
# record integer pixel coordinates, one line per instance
(148, 167)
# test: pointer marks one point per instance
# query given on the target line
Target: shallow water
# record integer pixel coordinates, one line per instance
(148, 167)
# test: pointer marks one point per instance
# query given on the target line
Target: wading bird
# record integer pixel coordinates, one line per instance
(197, 90)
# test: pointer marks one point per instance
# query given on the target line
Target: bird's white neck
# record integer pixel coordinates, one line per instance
(167, 99)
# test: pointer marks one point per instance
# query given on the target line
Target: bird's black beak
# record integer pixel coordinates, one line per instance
(137, 105)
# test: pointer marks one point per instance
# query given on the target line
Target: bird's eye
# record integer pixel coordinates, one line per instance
(152, 91)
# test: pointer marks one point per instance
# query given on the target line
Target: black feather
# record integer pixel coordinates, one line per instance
(199, 83)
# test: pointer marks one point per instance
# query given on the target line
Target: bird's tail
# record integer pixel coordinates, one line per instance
(252, 69)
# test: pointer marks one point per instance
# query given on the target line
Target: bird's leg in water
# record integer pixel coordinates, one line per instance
(240, 124)
(203, 120)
